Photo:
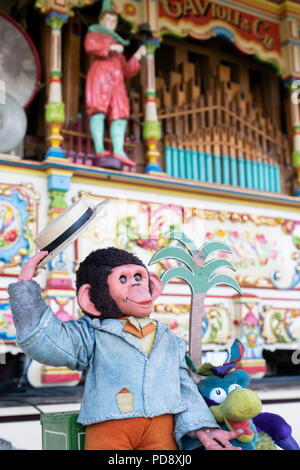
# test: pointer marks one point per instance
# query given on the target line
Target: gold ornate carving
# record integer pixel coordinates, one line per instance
(217, 322)
(281, 325)
(236, 217)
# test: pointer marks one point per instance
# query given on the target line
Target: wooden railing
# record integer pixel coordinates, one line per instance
(78, 144)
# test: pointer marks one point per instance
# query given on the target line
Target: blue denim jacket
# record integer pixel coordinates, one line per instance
(159, 383)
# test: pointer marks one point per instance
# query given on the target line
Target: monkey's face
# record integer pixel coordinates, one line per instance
(129, 288)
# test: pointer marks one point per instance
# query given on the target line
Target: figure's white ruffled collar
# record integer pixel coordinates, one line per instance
(140, 322)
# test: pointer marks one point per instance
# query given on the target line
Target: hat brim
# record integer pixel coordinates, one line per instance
(96, 210)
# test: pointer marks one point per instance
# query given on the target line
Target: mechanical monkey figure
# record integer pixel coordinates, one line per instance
(138, 394)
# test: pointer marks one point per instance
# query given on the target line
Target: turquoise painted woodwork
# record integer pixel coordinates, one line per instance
(241, 172)
(195, 169)
(168, 160)
(272, 178)
(217, 168)
(255, 175)
(266, 176)
(261, 178)
(233, 172)
(175, 163)
(202, 166)
(181, 160)
(188, 165)
(248, 171)
(226, 170)
(277, 180)
(209, 168)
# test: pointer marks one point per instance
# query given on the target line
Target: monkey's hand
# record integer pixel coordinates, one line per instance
(218, 439)
(29, 270)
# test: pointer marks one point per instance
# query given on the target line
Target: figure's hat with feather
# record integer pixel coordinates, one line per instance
(106, 6)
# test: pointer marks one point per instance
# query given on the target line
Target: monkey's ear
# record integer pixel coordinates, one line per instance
(84, 302)
(156, 285)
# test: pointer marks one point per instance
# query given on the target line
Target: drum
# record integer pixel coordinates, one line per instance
(20, 69)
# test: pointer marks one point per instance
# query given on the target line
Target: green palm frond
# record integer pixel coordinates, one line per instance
(186, 241)
(200, 277)
(210, 247)
(175, 253)
(213, 264)
(223, 279)
(181, 273)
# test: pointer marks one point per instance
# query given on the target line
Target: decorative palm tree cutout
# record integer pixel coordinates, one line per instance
(200, 276)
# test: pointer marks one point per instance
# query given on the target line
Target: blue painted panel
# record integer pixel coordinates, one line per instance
(168, 160)
(209, 167)
(226, 170)
(233, 172)
(241, 172)
(181, 162)
(217, 169)
(202, 166)
(195, 169)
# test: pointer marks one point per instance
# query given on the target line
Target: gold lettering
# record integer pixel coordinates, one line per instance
(221, 12)
(189, 6)
(203, 9)
(214, 11)
(245, 25)
(268, 42)
(257, 27)
(169, 7)
(236, 19)
(229, 15)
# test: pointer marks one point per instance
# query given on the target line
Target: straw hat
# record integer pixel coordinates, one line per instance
(66, 228)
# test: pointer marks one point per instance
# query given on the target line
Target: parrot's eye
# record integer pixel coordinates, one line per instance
(218, 394)
(233, 387)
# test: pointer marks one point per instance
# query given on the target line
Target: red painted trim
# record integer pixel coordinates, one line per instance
(230, 297)
(253, 369)
(9, 275)
(34, 51)
(178, 295)
(56, 378)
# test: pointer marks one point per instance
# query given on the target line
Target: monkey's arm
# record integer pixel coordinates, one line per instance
(197, 415)
(42, 336)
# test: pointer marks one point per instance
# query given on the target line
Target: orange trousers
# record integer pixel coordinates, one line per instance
(132, 434)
